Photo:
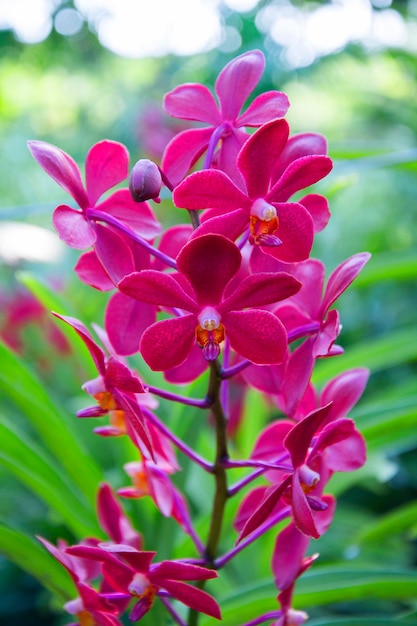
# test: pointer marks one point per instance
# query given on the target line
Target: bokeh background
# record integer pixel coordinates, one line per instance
(75, 72)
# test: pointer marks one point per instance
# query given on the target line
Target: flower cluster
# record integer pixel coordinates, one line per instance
(233, 291)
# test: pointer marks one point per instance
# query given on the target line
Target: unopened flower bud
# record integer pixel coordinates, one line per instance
(145, 181)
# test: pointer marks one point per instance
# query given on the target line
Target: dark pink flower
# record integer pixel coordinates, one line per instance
(114, 390)
(262, 207)
(107, 164)
(132, 572)
(206, 266)
(193, 101)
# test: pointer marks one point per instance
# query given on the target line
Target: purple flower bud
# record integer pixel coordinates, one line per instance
(145, 181)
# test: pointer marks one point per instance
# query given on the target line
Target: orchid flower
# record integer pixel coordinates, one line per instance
(207, 265)
(107, 164)
(193, 101)
(262, 205)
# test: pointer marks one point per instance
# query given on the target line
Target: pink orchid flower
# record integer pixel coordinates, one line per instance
(107, 164)
(307, 444)
(90, 606)
(132, 572)
(206, 266)
(262, 206)
(114, 390)
(193, 101)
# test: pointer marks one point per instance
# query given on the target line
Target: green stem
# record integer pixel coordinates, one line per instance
(219, 472)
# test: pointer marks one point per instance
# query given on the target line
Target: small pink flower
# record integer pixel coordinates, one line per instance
(193, 101)
(107, 164)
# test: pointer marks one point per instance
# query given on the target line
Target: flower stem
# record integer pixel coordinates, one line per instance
(219, 471)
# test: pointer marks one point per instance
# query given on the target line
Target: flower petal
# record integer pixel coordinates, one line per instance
(303, 517)
(156, 288)
(167, 343)
(95, 351)
(193, 597)
(192, 101)
(126, 320)
(266, 107)
(299, 438)
(106, 165)
(303, 144)
(257, 335)
(344, 391)
(342, 277)
(91, 272)
(73, 228)
(257, 157)
(289, 550)
(61, 167)
(260, 289)
(237, 80)
(113, 253)
(209, 189)
(296, 232)
(209, 262)
(318, 207)
(299, 174)
(183, 151)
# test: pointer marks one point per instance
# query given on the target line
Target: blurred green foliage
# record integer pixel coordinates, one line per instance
(73, 92)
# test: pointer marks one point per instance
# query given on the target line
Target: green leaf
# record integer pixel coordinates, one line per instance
(34, 559)
(376, 354)
(401, 519)
(19, 384)
(319, 587)
(38, 471)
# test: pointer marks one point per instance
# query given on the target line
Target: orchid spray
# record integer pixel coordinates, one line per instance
(231, 295)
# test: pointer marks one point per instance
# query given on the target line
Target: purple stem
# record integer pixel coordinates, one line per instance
(267, 525)
(264, 618)
(170, 609)
(204, 403)
(177, 442)
(234, 489)
(214, 139)
(101, 216)
(260, 464)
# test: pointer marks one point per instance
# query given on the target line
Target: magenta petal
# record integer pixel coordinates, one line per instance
(303, 517)
(91, 272)
(296, 232)
(258, 155)
(299, 174)
(299, 438)
(289, 550)
(209, 262)
(304, 144)
(344, 391)
(183, 151)
(190, 369)
(348, 455)
(260, 289)
(266, 107)
(106, 165)
(119, 376)
(266, 507)
(297, 375)
(95, 351)
(237, 80)
(257, 335)
(230, 225)
(137, 215)
(270, 444)
(73, 228)
(126, 320)
(113, 253)
(180, 570)
(329, 332)
(113, 520)
(167, 343)
(209, 189)
(193, 597)
(61, 167)
(342, 277)
(156, 288)
(318, 207)
(192, 101)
